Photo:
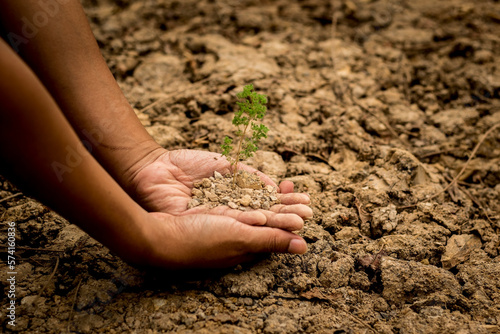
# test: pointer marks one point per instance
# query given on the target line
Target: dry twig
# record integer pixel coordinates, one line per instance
(473, 199)
(73, 305)
(10, 197)
(48, 281)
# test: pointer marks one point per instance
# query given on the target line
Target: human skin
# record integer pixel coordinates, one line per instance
(130, 193)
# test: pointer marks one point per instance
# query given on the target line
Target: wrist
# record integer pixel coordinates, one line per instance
(159, 243)
(131, 160)
(133, 242)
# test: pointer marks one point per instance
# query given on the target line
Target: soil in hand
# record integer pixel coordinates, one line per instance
(244, 192)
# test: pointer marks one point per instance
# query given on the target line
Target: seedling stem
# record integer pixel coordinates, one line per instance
(251, 110)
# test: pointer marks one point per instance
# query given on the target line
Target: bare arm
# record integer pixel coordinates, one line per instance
(65, 56)
(37, 144)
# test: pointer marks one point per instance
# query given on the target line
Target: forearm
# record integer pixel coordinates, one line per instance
(42, 154)
(65, 56)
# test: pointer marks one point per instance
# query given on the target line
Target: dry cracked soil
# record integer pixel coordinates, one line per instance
(375, 106)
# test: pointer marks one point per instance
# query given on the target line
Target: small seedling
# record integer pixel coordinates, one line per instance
(251, 110)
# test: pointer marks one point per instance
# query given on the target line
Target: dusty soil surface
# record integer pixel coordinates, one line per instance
(373, 119)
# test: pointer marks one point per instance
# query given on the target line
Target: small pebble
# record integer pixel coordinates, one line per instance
(193, 203)
(245, 200)
(211, 196)
(255, 205)
(205, 183)
(196, 192)
(246, 191)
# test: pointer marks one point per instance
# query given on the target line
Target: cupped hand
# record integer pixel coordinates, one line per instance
(165, 184)
(211, 241)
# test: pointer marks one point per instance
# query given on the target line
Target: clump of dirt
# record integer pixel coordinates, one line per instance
(244, 192)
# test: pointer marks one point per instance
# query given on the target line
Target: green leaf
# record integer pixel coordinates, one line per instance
(251, 108)
(227, 147)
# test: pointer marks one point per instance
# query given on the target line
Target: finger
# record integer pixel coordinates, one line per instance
(284, 221)
(286, 217)
(272, 240)
(294, 198)
(253, 217)
(286, 187)
(301, 210)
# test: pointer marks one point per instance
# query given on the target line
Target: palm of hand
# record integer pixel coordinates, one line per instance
(165, 184)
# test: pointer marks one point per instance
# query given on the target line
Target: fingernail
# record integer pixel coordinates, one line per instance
(297, 246)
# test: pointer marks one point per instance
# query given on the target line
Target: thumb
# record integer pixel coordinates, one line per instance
(273, 240)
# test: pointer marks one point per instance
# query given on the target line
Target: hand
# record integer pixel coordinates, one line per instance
(209, 241)
(164, 185)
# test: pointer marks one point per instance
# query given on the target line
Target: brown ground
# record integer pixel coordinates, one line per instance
(379, 114)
